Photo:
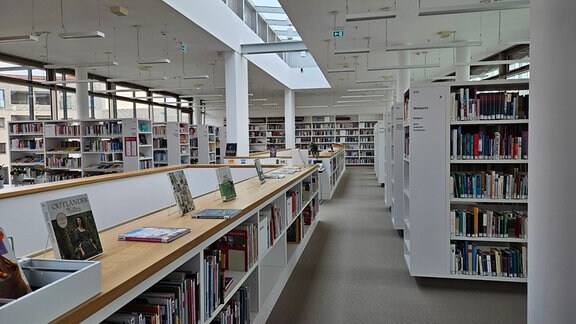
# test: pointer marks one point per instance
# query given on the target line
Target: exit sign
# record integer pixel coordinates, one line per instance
(338, 33)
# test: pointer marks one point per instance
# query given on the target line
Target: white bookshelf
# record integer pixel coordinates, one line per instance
(389, 145)
(380, 151)
(194, 148)
(398, 168)
(206, 138)
(431, 164)
(102, 146)
(257, 131)
(63, 150)
(138, 151)
(26, 148)
(221, 140)
(178, 143)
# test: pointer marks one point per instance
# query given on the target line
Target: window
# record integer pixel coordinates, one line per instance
(2, 121)
(19, 97)
(68, 101)
(2, 103)
(2, 148)
(42, 97)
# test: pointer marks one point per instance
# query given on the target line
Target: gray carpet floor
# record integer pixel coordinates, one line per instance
(353, 271)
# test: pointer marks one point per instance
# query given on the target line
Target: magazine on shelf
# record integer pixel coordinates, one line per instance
(217, 213)
(154, 234)
(259, 171)
(13, 283)
(72, 228)
(181, 192)
(225, 183)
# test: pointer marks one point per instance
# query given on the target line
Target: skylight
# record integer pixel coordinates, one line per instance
(276, 18)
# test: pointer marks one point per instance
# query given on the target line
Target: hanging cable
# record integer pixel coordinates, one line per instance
(63, 29)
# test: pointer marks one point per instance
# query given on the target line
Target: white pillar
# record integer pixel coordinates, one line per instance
(402, 76)
(552, 152)
(236, 67)
(82, 94)
(463, 56)
(197, 112)
(290, 118)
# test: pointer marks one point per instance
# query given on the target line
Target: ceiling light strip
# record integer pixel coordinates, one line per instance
(497, 62)
(81, 65)
(352, 51)
(69, 81)
(371, 15)
(455, 44)
(18, 39)
(403, 67)
(480, 7)
(83, 35)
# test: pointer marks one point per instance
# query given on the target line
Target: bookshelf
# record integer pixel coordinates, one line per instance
(178, 143)
(399, 222)
(102, 146)
(27, 147)
(160, 144)
(221, 140)
(468, 218)
(205, 138)
(194, 149)
(137, 137)
(388, 156)
(380, 151)
(63, 150)
(276, 133)
(265, 278)
(257, 131)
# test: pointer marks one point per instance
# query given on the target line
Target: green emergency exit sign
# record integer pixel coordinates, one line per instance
(338, 33)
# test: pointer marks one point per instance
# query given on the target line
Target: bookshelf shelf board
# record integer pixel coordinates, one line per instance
(145, 158)
(489, 122)
(64, 169)
(103, 136)
(486, 161)
(102, 152)
(62, 152)
(28, 164)
(489, 239)
(161, 149)
(26, 134)
(486, 200)
(239, 278)
(488, 278)
(145, 145)
(406, 159)
(71, 137)
(27, 150)
(139, 132)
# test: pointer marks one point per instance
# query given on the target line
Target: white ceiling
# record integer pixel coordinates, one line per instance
(315, 21)
(312, 19)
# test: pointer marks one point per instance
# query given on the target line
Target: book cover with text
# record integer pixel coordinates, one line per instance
(72, 228)
(181, 191)
(226, 183)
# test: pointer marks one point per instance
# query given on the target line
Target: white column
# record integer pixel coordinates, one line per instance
(236, 67)
(463, 56)
(82, 94)
(197, 112)
(290, 118)
(402, 76)
(552, 152)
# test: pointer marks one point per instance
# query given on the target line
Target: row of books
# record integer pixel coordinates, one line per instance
(52, 177)
(107, 157)
(488, 223)
(273, 223)
(159, 130)
(174, 299)
(468, 258)
(33, 144)
(160, 156)
(467, 104)
(237, 310)
(293, 203)
(354, 160)
(323, 126)
(484, 146)
(29, 159)
(25, 128)
(104, 166)
(240, 247)
(295, 231)
(61, 130)
(274, 133)
(275, 126)
(194, 142)
(346, 139)
(214, 280)
(105, 128)
(489, 185)
(96, 145)
(63, 162)
(158, 143)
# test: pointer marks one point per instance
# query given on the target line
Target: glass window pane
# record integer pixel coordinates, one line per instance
(2, 148)
(125, 109)
(142, 111)
(101, 108)
(42, 104)
(2, 122)
(17, 104)
(2, 100)
(19, 97)
(172, 114)
(159, 114)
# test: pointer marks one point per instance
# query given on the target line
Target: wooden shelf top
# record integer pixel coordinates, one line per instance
(127, 264)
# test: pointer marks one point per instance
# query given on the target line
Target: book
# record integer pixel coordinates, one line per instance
(181, 192)
(231, 149)
(13, 282)
(259, 171)
(217, 213)
(72, 228)
(154, 234)
(225, 183)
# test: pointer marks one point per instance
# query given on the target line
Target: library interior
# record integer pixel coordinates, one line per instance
(286, 161)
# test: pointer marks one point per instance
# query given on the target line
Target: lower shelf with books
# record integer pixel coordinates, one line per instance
(194, 277)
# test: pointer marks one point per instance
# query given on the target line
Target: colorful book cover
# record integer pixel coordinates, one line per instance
(259, 171)
(13, 283)
(217, 213)
(181, 192)
(154, 234)
(72, 228)
(225, 183)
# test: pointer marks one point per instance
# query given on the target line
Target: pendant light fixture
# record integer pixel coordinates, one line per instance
(64, 34)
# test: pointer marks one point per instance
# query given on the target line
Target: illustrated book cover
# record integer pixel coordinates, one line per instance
(226, 183)
(154, 234)
(13, 283)
(72, 228)
(259, 171)
(217, 213)
(181, 192)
